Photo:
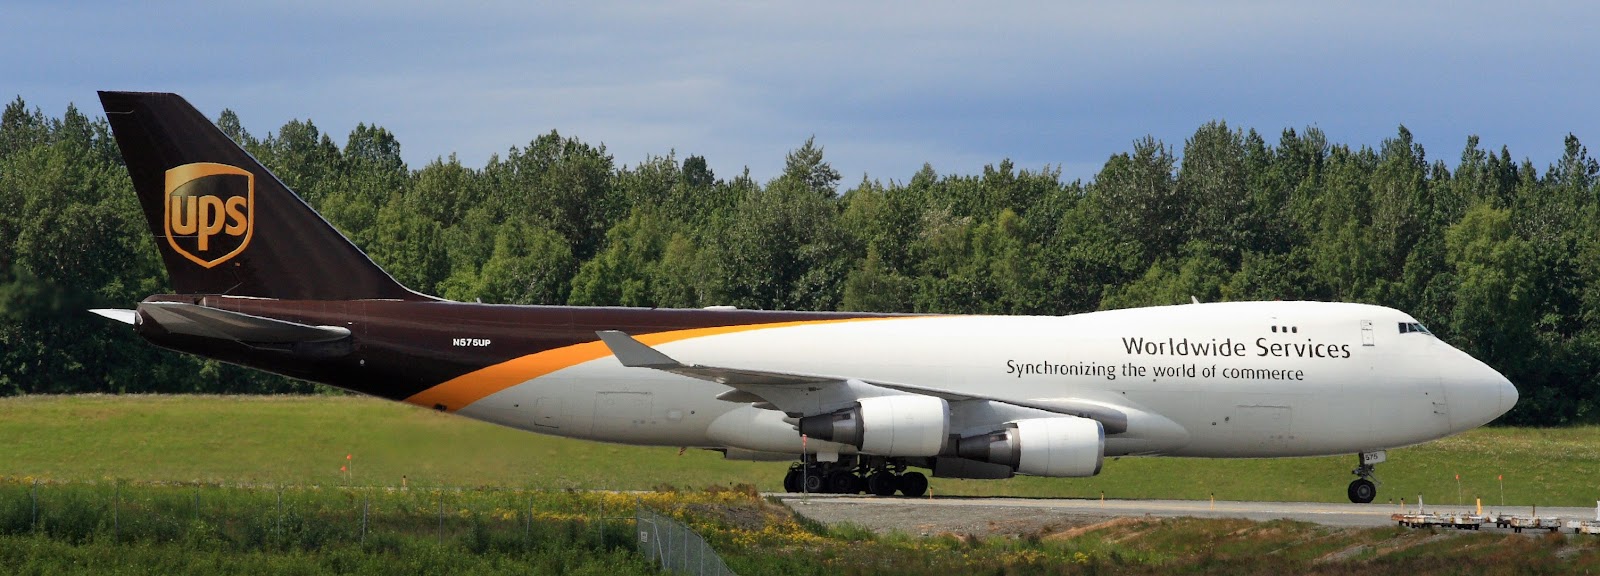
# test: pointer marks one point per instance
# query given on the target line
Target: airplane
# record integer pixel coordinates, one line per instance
(856, 399)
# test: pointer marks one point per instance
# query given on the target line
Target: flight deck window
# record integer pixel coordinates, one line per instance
(1409, 327)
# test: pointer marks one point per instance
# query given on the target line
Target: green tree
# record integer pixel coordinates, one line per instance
(626, 271)
(530, 265)
(408, 245)
(782, 248)
(805, 167)
(1212, 183)
(1138, 192)
(562, 182)
(1494, 311)
(302, 157)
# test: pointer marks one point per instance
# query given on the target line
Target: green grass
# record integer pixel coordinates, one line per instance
(43, 555)
(144, 528)
(167, 528)
(304, 440)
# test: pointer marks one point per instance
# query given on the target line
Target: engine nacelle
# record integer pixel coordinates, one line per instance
(1065, 447)
(886, 425)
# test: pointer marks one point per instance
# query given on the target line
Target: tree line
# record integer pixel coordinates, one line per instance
(1496, 256)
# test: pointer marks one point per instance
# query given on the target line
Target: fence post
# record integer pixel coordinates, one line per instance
(600, 527)
(197, 503)
(116, 513)
(366, 502)
(35, 492)
(441, 517)
(527, 526)
(280, 513)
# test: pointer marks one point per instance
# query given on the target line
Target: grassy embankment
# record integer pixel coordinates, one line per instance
(304, 440)
(173, 529)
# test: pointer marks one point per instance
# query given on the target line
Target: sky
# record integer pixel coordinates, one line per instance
(883, 86)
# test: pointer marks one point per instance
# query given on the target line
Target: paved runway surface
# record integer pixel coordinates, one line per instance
(1017, 515)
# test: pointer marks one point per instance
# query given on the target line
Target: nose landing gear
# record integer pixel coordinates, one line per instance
(1365, 488)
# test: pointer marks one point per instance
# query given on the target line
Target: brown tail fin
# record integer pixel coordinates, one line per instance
(223, 223)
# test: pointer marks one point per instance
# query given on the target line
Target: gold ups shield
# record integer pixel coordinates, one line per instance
(210, 211)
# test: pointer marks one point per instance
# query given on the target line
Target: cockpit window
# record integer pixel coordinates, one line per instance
(1409, 327)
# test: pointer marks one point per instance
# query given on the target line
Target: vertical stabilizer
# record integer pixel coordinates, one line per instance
(223, 223)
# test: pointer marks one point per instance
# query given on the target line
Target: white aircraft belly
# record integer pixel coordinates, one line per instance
(599, 400)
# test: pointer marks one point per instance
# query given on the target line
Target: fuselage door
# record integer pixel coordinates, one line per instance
(1366, 333)
(547, 412)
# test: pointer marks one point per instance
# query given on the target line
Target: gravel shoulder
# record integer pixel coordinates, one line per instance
(1021, 516)
(923, 518)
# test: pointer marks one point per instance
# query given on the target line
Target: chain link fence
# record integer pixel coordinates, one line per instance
(675, 547)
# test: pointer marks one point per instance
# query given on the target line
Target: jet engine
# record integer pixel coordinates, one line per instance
(1065, 447)
(907, 425)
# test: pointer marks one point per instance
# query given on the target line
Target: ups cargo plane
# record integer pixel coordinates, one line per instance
(260, 280)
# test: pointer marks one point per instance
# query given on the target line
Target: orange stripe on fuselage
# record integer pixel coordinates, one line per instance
(465, 389)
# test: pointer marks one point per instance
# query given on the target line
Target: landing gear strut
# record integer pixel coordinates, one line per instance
(879, 477)
(1365, 488)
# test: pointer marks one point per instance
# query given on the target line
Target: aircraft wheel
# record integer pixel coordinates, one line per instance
(814, 483)
(913, 484)
(791, 481)
(843, 482)
(1362, 491)
(881, 484)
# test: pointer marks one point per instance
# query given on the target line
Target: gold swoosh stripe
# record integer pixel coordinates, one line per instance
(463, 390)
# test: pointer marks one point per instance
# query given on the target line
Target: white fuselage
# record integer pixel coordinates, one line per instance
(1249, 379)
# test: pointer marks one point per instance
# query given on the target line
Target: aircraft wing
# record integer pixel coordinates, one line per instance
(799, 394)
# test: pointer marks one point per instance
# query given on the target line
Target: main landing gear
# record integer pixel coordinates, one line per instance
(851, 475)
(1365, 487)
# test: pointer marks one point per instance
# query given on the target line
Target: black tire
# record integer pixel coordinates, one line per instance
(791, 482)
(1362, 491)
(913, 484)
(814, 483)
(843, 482)
(882, 484)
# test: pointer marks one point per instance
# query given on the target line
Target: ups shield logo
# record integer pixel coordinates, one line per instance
(210, 211)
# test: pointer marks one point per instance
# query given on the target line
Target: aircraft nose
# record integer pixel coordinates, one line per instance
(1508, 394)
(1477, 393)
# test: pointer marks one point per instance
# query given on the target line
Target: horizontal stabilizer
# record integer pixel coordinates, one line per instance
(207, 322)
(122, 315)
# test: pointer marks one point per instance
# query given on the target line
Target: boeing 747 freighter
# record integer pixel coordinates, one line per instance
(260, 280)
